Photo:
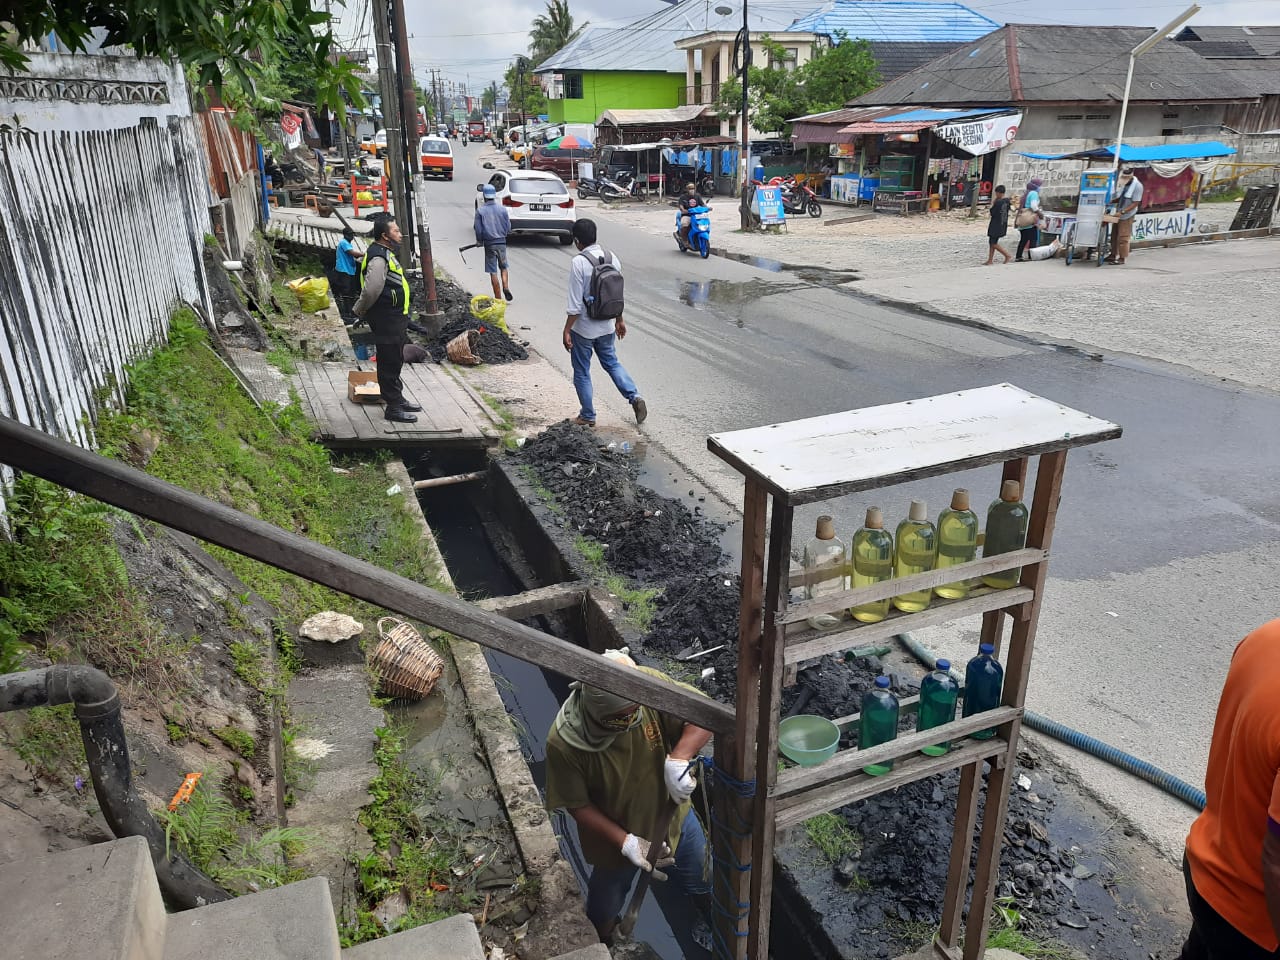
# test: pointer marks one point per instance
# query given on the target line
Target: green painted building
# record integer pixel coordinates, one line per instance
(580, 96)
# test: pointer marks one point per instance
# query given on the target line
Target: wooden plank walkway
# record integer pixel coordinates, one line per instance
(452, 416)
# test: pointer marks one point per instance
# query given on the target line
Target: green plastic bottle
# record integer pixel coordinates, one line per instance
(1006, 532)
(915, 551)
(938, 696)
(878, 723)
(872, 557)
(824, 571)
(957, 542)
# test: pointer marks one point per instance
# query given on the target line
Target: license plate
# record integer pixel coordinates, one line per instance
(540, 207)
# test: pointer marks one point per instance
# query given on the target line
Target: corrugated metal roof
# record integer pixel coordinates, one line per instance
(1264, 39)
(1061, 63)
(825, 127)
(1200, 149)
(1260, 74)
(895, 57)
(916, 20)
(1220, 48)
(649, 43)
(634, 118)
(933, 115)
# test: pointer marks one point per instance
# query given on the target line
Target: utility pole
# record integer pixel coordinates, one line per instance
(391, 120)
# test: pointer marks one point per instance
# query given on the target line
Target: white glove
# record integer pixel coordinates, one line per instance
(679, 777)
(631, 850)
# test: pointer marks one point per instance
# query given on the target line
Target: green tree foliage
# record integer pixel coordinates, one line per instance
(489, 99)
(833, 77)
(221, 39)
(552, 30)
(527, 95)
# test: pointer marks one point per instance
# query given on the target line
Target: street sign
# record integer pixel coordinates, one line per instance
(769, 203)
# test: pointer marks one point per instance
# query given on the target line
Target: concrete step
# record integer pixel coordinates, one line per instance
(293, 922)
(597, 951)
(453, 938)
(101, 901)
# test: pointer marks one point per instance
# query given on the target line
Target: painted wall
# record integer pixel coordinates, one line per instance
(618, 90)
(104, 201)
(1100, 120)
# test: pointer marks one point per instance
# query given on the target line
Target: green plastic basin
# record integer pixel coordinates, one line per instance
(808, 740)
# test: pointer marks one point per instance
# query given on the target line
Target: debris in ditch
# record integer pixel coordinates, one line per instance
(491, 346)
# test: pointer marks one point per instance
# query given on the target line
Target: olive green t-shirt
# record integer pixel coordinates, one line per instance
(625, 781)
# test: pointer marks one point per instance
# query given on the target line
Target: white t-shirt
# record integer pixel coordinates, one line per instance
(580, 269)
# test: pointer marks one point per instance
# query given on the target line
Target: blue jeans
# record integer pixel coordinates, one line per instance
(608, 887)
(603, 347)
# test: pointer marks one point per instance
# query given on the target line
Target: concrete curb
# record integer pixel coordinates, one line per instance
(539, 848)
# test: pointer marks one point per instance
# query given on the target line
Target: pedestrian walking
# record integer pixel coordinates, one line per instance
(1232, 860)
(998, 226)
(346, 279)
(1027, 219)
(384, 302)
(620, 769)
(1126, 204)
(492, 226)
(594, 322)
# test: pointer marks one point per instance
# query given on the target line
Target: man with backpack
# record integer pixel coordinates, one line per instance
(593, 318)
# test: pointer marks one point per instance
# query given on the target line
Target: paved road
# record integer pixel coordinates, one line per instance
(1165, 553)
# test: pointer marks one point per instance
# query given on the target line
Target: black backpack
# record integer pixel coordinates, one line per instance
(604, 290)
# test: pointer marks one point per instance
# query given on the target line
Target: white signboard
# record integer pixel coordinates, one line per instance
(981, 136)
(1164, 226)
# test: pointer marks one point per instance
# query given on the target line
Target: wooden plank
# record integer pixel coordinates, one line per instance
(811, 644)
(130, 489)
(1044, 511)
(772, 664)
(918, 581)
(455, 374)
(860, 785)
(739, 755)
(332, 408)
(533, 602)
(823, 457)
(906, 707)
(961, 854)
(796, 781)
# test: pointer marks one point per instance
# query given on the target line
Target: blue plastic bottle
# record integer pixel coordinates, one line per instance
(878, 723)
(938, 694)
(983, 678)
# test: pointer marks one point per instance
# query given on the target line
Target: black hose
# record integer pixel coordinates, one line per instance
(97, 707)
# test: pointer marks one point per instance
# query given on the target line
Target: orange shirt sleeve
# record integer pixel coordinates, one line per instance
(1273, 809)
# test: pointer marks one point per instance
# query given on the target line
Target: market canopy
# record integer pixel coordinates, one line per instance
(1204, 150)
(975, 130)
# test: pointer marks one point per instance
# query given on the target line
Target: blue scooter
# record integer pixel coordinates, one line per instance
(699, 231)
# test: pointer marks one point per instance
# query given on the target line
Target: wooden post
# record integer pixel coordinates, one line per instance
(958, 872)
(772, 663)
(1044, 511)
(732, 841)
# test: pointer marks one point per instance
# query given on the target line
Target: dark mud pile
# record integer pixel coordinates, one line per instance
(491, 346)
(649, 538)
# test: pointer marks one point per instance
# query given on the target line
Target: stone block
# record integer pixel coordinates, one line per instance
(293, 922)
(453, 938)
(101, 900)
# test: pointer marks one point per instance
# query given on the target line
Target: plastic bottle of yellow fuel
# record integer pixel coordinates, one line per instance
(915, 551)
(957, 542)
(871, 557)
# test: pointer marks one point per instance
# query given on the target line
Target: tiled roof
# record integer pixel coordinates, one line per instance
(1028, 63)
(916, 20)
(649, 43)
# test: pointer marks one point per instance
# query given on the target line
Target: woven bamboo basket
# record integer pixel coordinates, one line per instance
(407, 665)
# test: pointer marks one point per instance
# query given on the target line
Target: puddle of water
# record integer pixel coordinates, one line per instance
(822, 276)
(764, 263)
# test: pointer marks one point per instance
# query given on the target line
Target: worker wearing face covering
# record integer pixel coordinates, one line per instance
(617, 767)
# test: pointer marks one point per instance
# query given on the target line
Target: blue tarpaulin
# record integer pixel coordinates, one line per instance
(1204, 150)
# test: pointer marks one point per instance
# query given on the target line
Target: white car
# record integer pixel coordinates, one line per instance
(536, 202)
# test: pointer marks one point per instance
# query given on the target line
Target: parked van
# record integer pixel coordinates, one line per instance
(563, 163)
(437, 157)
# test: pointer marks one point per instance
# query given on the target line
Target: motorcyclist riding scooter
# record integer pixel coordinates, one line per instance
(688, 201)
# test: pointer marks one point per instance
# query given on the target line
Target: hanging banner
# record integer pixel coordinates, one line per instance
(981, 136)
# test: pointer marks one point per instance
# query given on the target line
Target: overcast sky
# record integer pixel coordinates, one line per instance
(474, 40)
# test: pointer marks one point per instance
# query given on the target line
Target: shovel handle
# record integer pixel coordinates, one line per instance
(642, 884)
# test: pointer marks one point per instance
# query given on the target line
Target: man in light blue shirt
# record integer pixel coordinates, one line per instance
(492, 224)
(584, 336)
(346, 267)
(1127, 202)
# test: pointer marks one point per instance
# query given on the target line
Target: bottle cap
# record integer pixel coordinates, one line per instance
(944, 665)
(988, 648)
(882, 683)
(1011, 491)
(826, 528)
(875, 519)
(960, 499)
(919, 511)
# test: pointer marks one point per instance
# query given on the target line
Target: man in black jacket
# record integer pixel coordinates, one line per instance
(384, 302)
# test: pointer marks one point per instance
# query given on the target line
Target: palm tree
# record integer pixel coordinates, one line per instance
(552, 30)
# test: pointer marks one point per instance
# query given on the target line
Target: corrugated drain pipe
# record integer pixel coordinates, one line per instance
(97, 708)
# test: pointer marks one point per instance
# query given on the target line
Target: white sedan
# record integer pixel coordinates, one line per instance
(537, 202)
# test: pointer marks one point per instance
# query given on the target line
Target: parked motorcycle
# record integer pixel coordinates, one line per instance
(589, 187)
(799, 198)
(699, 231)
(624, 186)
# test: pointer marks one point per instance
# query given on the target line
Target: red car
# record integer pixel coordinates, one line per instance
(563, 163)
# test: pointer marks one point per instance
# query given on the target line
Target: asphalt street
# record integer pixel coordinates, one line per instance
(1165, 551)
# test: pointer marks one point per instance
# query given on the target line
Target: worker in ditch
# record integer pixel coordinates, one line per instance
(620, 770)
(384, 302)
